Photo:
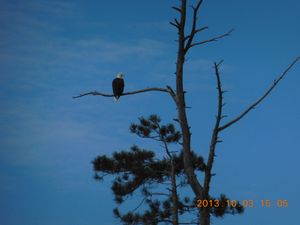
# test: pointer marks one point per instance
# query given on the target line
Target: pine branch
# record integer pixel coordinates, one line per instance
(140, 204)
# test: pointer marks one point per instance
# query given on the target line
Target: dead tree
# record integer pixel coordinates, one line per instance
(186, 41)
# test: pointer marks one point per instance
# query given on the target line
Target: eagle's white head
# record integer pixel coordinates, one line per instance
(120, 75)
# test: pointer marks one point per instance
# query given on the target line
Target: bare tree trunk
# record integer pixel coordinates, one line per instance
(181, 107)
(204, 216)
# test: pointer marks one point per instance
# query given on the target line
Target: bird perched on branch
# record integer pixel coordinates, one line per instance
(118, 86)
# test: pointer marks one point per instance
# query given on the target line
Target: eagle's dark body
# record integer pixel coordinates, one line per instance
(118, 87)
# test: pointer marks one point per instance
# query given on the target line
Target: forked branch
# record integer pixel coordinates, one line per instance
(194, 29)
(175, 24)
(195, 32)
(276, 81)
(212, 39)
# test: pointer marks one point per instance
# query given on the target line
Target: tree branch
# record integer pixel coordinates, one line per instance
(176, 24)
(212, 39)
(177, 9)
(214, 138)
(195, 32)
(276, 81)
(194, 29)
(167, 90)
(140, 204)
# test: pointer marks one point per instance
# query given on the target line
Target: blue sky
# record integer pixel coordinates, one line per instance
(53, 50)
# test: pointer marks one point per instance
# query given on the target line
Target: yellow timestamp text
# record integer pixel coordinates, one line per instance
(247, 203)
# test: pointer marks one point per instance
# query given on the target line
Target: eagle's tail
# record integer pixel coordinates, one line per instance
(116, 98)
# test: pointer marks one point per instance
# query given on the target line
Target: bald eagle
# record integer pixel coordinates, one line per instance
(118, 86)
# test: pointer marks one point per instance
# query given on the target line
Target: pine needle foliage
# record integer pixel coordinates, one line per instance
(157, 180)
